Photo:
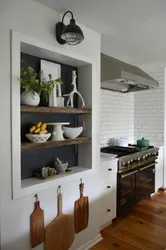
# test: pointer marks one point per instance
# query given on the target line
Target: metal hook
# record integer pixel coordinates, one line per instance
(59, 190)
(36, 197)
(81, 180)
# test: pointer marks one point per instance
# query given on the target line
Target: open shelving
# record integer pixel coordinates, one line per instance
(85, 145)
(55, 110)
(50, 144)
(33, 181)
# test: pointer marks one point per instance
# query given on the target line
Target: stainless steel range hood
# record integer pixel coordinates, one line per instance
(123, 77)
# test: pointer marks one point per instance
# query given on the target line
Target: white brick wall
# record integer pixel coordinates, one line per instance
(134, 115)
(149, 112)
(117, 116)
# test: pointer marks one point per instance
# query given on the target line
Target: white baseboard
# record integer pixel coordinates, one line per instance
(91, 243)
(106, 225)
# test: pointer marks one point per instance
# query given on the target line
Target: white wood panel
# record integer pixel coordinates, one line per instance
(159, 174)
(108, 196)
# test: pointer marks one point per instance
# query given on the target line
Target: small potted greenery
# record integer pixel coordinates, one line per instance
(32, 87)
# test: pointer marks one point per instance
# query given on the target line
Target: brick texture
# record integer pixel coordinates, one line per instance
(134, 115)
(117, 116)
(149, 112)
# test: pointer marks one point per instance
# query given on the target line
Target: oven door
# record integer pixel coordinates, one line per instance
(126, 191)
(145, 182)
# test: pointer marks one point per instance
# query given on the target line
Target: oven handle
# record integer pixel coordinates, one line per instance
(125, 175)
(141, 169)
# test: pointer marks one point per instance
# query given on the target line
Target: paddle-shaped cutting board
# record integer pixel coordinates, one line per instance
(59, 233)
(37, 225)
(81, 211)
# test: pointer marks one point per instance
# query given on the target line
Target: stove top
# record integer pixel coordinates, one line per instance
(132, 156)
(123, 151)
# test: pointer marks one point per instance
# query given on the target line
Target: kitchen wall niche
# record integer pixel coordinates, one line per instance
(79, 155)
(46, 156)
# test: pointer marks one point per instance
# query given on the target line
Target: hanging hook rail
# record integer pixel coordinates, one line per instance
(59, 190)
(36, 197)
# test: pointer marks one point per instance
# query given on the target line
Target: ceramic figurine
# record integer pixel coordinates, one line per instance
(74, 91)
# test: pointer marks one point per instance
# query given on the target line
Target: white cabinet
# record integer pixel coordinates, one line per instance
(159, 174)
(108, 194)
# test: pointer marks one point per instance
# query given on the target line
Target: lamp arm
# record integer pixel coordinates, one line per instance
(65, 15)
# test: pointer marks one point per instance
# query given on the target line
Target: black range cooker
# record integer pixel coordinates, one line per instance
(136, 174)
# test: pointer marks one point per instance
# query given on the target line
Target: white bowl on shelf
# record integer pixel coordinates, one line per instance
(36, 138)
(72, 132)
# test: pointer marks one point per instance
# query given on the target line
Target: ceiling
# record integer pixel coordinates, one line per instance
(132, 30)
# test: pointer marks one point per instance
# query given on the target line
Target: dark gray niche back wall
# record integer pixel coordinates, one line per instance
(32, 161)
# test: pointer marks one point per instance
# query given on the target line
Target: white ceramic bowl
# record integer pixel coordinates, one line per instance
(72, 132)
(36, 138)
(123, 142)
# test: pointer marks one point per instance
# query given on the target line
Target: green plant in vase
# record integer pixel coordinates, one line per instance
(32, 87)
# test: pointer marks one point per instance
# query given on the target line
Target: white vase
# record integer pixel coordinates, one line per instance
(30, 98)
(53, 98)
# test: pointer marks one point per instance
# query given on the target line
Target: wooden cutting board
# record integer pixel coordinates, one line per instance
(37, 224)
(59, 233)
(81, 211)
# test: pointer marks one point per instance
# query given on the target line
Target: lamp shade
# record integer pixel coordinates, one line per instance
(72, 33)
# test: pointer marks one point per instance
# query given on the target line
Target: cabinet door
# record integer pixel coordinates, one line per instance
(108, 195)
(126, 191)
(107, 169)
(106, 202)
(159, 175)
(145, 182)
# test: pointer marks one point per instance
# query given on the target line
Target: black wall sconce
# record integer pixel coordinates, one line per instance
(71, 33)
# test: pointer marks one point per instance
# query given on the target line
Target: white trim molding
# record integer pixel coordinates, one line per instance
(91, 243)
(164, 175)
(33, 46)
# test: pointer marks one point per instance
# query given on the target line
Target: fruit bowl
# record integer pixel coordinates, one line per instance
(72, 132)
(36, 138)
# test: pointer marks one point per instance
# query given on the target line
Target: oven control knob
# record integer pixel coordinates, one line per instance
(128, 162)
(123, 164)
(131, 161)
(139, 159)
(135, 160)
(157, 153)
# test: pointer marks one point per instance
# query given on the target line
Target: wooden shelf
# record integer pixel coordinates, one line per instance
(50, 144)
(55, 110)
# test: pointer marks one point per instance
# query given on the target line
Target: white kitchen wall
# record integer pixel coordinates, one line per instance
(35, 20)
(134, 115)
(149, 112)
(117, 116)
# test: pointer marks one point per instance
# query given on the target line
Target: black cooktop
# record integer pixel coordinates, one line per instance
(122, 151)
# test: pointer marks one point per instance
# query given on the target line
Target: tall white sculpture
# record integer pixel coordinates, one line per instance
(74, 91)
